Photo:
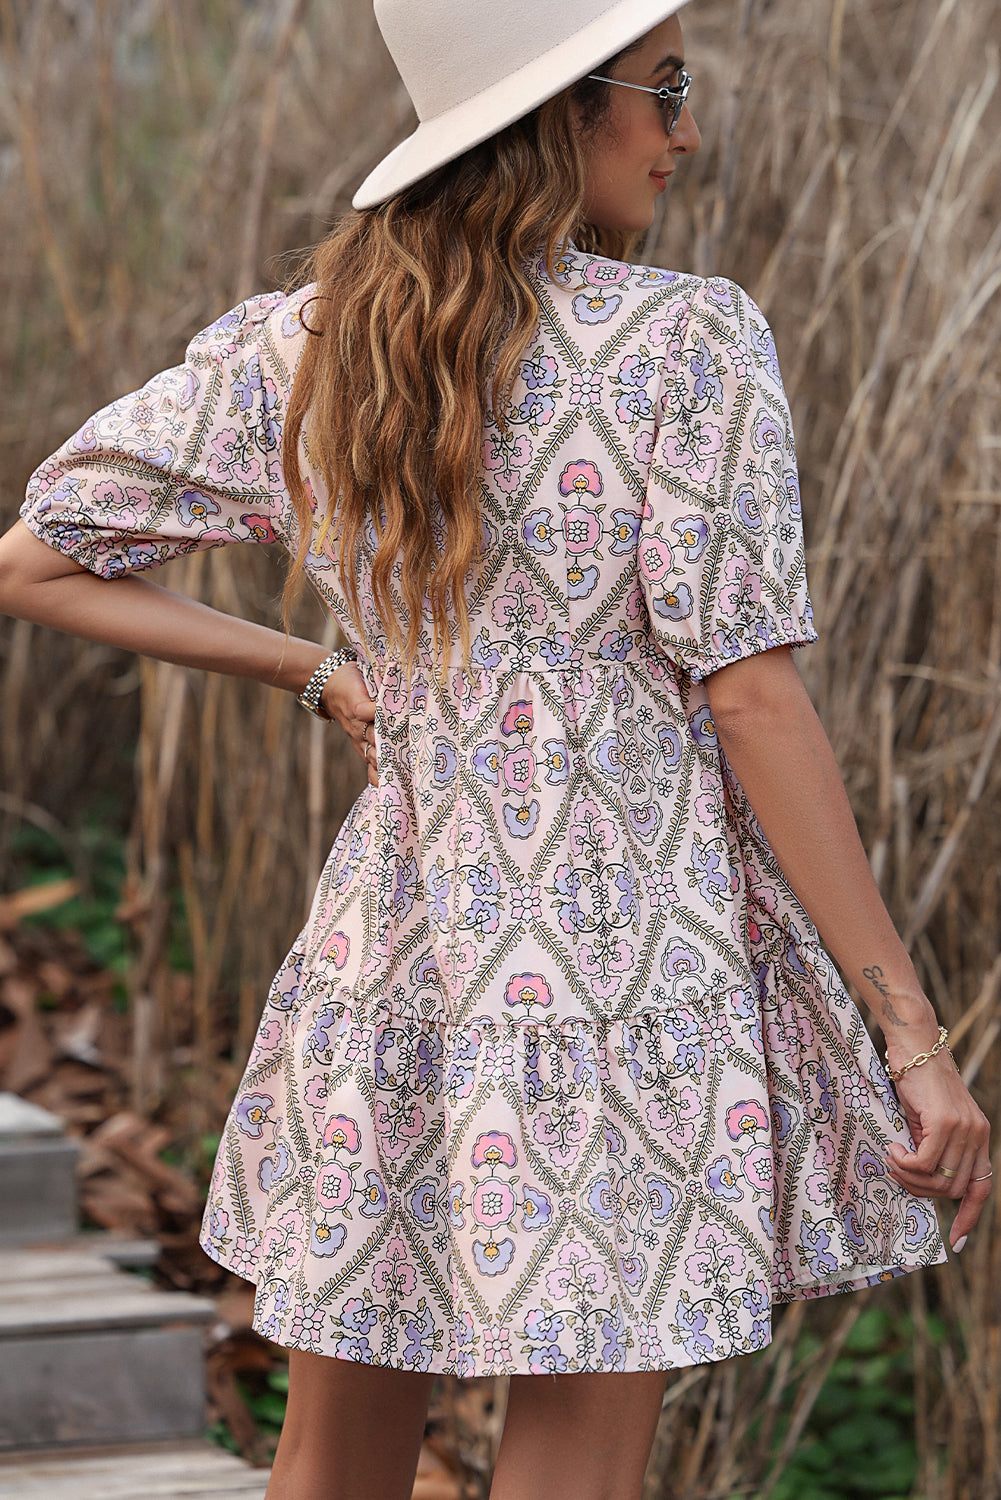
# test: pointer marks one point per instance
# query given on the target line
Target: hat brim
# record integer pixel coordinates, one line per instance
(465, 125)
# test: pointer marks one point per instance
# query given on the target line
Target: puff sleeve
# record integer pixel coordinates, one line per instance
(191, 460)
(720, 546)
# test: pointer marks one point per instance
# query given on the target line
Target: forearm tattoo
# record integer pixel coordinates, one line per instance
(875, 976)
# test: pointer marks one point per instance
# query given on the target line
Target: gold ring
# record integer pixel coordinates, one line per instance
(945, 1171)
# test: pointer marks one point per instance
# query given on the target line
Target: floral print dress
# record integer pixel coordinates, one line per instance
(557, 1076)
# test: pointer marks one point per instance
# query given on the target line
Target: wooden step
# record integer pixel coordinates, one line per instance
(91, 1354)
(179, 1471)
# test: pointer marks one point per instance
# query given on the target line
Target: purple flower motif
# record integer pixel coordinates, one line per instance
(707, 385)
(673, 603)
(423, 1201)
(625, 532)
(437, 888)
(595, 307)
(486, 762)
(445, 762)
(851, 1226)
(521, 822)
(581, 581)
(635, 371)
(607, 753)
(483, 653)
(703, 729)
(542, 1326)
(548, 1360)
(613, 1353)
(767, 433)
(747, 507)
(419, 1331)
(373, 1195)
(632, 1269)
(681, 958)
(271, 1327)
(354, 1348)
(662, 1199)
(669, 741)
(782, 1121)
(538, 532)
(693, 534)
(693, 1323)
(358, 1315)
(756, 1298)
(557, 648)
(917, 1224)
(557, 762)
(766, 1218)
(459, 1080)
(690, 1057)
(194, 506)
(537, 409)
(456, 1196)
(722, 1181)
(601, 1199)
(615, 645)
(539, 371)
(429, 1051)
(272, 1168)
(325, 1239)
(633, 406)
(536, 1208)
(868, 1164)
(816, 1249)
(645, 821)
(252, 1114)
(494, 1256)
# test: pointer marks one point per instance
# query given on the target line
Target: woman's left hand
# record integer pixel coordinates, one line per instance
(345, 698)
(951, 1132)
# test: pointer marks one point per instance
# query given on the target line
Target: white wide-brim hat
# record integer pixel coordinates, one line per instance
(473, 66)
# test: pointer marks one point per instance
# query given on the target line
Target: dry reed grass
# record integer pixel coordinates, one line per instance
(850, 179)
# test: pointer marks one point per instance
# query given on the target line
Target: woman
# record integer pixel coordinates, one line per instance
(558, 1077)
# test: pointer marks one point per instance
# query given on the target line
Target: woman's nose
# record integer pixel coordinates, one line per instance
(685, 137)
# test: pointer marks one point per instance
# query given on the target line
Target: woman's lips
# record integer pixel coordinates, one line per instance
(660, 178)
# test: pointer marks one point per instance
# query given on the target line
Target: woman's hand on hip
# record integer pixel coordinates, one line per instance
(951, 1134)
(346, 699)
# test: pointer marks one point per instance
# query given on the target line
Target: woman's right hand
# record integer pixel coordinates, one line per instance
(346, 699)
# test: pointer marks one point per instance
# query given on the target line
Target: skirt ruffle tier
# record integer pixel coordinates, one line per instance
(568, 1194)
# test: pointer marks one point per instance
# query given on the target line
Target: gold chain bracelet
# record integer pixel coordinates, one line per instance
(922, 1057)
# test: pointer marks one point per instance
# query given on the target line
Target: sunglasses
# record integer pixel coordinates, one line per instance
(672, 101)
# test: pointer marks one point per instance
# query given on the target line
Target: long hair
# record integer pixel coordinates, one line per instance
(422, 314)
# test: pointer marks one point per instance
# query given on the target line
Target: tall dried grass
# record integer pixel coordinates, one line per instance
(157, 160)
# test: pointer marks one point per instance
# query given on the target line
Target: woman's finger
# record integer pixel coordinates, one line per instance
(974, 1198)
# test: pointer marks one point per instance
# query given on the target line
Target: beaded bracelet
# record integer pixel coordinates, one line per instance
(311, 693)
(922, 1057)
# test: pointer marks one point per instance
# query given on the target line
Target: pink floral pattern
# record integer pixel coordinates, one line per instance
(557, 1076)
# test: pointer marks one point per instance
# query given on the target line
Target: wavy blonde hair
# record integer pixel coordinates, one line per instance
(422, 314)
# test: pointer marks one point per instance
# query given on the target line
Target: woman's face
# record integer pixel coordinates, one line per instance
(631, 156)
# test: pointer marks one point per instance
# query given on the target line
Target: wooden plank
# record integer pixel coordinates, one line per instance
(194, 1471)
(56, 1264)
(101, 1308)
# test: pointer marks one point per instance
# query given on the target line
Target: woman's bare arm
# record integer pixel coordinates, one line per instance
(772, 737)
(38, 583)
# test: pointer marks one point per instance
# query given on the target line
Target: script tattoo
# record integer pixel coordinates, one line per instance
(875, 976)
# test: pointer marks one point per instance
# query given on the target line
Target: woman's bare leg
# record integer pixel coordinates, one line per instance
(578, 1437)
(351, 1431)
